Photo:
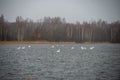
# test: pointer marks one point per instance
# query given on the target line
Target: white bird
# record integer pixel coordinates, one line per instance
(23, 47)
(29, 46)
(72, 47)
(53, 46)
(58, 50)
(19, 48)
(92, 48)
(83, 47)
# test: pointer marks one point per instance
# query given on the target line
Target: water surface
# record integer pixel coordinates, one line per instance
(43, 62)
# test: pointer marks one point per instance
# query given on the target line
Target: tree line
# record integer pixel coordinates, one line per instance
(57, 29)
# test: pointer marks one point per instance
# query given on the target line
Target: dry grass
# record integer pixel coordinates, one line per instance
(34, 42)
(47, 42)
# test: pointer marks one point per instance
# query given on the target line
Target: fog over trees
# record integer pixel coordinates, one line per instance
(57, 29)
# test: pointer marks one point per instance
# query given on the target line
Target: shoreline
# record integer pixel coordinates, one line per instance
(47, 42)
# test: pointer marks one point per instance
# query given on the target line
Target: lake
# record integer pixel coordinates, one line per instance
(59, 61)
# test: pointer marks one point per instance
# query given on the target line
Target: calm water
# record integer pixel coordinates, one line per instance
(60, 62)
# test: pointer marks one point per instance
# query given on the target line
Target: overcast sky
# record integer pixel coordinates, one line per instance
(72, 10)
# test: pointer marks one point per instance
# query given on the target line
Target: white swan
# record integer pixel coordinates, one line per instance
(58, 50)
(53, 46)
(83, 47)
(92, 48)
(72, 48)
(19, 48)
(23, 47)
(29, 46)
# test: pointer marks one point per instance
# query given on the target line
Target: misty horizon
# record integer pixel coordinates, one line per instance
(43, 18)
(71, 10)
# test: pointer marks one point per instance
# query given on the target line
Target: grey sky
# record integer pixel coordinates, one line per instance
(72, 10)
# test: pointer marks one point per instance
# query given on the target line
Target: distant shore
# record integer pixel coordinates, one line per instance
(47, 42)
(34, 42)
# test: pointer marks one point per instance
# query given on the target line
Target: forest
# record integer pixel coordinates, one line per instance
(56, 29)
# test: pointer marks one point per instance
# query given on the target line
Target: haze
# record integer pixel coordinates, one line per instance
(71, 10)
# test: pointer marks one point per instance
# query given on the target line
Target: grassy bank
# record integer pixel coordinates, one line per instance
(47, 42)
(34, 42)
